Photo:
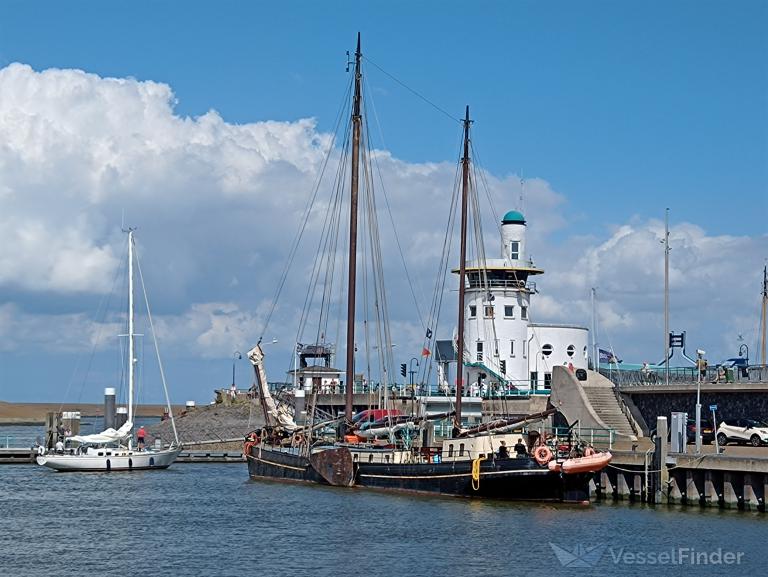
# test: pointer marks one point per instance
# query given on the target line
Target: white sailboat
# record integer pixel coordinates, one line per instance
(113, 450)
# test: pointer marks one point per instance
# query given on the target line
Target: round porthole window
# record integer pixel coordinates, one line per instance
(546, 350)
(570, 350)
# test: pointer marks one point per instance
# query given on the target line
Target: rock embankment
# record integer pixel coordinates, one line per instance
(215, 427)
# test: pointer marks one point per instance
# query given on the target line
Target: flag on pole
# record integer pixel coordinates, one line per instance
(425, 352)
(608, 357)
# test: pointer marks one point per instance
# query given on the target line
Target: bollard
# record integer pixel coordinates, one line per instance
(109, 408)
(121, 417)
(660, 474)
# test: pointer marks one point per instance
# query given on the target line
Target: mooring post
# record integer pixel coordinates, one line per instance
(660, 472)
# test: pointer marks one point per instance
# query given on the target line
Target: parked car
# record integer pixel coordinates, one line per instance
(707, 431)
(743, 431)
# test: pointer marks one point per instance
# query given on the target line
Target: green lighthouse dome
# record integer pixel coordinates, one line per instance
(513, 217)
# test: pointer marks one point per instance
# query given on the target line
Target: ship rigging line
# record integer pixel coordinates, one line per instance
(392, 219)
(413, 91)
(305, 215)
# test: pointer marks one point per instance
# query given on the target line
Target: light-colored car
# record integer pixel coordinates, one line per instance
(743, 431)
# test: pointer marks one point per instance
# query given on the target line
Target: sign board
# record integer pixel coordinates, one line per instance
(712, 407)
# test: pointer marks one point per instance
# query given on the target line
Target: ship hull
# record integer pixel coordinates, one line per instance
(281, 463)
(118, 461)
(509, 479)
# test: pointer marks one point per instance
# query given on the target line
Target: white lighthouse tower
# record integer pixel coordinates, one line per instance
(504, 351)
(496, 317)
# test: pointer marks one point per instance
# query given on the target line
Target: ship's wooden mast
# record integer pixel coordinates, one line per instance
(462, 272)
(352, 277)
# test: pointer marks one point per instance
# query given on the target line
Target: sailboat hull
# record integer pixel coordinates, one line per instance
(509, 479)
(110, 460)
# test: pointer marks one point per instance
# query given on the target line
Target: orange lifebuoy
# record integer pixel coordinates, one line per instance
(589, 451)
(542, 455)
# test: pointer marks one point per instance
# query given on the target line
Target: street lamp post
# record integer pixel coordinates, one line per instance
(744, 352)
(236, 356)
(700, 357)
(411, 371)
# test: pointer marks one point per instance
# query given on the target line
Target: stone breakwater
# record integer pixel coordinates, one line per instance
(216, 427)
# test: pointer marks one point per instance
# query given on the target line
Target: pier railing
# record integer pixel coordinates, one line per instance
(686, 375)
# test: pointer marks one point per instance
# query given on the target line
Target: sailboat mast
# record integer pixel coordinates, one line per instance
(462, 272)
(356, 129)
(131, 353)
(765, 309)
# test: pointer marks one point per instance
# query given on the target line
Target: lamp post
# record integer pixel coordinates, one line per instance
(411, 371)
(700, 358)
(744, 352)
(236, 356)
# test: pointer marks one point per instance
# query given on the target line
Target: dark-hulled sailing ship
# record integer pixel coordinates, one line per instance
(400, 451)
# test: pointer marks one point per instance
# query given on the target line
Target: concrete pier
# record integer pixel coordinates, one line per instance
(705, 480)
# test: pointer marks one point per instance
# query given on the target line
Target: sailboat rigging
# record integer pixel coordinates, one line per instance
(401, 452)
(113, 450)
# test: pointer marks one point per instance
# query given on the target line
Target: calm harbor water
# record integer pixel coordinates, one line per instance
(211, 520)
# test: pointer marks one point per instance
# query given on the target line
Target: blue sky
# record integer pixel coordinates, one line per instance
(610, 100)
(620, 109)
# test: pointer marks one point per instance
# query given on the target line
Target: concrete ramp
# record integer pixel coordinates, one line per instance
(591, 402)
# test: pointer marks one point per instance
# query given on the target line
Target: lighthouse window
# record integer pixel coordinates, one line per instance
(514, 250)
(546, 350)
(570, 350)
(511, 348)
(509, 311)
(524, 313)
(472, 311)
(479, 350)
(488, 311)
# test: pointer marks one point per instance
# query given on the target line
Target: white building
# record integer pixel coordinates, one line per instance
(503, 348)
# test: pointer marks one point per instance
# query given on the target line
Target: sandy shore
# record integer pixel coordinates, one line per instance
(34, 413)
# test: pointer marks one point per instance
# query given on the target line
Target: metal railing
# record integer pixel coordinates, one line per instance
(401, 390)
(16, 442)
(594, 436)
(686, 375)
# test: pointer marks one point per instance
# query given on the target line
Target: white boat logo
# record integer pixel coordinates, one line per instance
(579, 556)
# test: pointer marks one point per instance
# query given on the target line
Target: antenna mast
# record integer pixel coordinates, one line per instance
(666, 297)
(765, 309)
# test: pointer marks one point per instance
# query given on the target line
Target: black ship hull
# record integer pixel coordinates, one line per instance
(510, 479)
(282, 464)
(519, 479)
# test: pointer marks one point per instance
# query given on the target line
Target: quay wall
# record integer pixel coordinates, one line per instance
(732, 402)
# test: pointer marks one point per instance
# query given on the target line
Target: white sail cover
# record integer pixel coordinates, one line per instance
(108, 436)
